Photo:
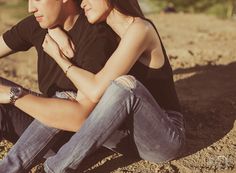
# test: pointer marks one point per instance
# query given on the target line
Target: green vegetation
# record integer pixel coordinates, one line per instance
(222, 8)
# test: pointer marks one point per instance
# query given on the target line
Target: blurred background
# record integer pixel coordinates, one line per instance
(221, 8)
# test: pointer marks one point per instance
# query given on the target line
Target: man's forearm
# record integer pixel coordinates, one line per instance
(4, 49)
(57, 113)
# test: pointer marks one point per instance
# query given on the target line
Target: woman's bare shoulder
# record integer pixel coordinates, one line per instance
(141, 26)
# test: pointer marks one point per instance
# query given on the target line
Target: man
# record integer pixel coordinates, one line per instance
(93, 45)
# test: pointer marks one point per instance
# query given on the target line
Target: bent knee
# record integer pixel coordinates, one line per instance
(127, 81)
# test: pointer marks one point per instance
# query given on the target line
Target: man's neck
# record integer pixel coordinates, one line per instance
(119, 22)
(70, 21)
(71, 15)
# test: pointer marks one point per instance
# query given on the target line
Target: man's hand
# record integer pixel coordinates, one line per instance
(63, 41)
(4, 94)
(52, 48)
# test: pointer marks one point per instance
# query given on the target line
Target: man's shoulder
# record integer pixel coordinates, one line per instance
(28, 20)
(30, 23)
(25, 34)
(29, 27)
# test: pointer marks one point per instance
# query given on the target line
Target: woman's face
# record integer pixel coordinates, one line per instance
(96, 10)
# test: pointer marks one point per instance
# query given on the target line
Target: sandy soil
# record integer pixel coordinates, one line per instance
(202, 52)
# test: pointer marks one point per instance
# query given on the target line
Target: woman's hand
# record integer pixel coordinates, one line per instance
(63, 41)
(4, 94)
(53, 50)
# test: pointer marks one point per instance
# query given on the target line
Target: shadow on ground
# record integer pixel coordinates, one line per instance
(209, 104)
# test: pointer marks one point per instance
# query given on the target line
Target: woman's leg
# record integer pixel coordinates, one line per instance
(123, 98)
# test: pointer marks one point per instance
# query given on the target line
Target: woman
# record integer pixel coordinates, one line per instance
(135, 114)
(144, 103)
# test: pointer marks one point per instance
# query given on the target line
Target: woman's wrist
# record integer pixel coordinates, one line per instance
(68, 68)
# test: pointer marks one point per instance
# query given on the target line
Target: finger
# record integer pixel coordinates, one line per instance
(64, 51)
(48, 38)
(72, 45)
(44, 41)
(70, 50)
(67, 50)
(70, 53)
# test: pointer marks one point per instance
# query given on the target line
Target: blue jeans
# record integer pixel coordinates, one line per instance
(124, 112)
(13, 121)
(158, 136)
(15, 124)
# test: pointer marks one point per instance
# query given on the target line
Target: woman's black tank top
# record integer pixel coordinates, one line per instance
(159, 82)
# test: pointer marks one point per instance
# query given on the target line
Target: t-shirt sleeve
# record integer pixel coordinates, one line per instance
(18, 38)
(99, 50)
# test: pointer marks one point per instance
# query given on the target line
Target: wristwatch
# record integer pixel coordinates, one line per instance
(15, 93)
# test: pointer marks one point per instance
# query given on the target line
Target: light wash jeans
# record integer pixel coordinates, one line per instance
(13, 123)
(126, 108)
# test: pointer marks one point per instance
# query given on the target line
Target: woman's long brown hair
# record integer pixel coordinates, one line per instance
(127, 7)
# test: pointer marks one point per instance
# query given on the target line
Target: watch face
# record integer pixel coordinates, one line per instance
(15, 93)
(18, 91)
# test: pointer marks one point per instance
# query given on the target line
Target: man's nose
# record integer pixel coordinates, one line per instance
(31, 6)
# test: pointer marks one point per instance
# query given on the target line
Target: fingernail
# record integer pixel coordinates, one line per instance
(71, 54)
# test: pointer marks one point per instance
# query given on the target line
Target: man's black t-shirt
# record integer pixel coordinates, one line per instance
(94, 45)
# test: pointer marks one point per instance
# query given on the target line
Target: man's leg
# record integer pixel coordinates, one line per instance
(121, 99)
(32, 138)
(13, 121)
(30, 148)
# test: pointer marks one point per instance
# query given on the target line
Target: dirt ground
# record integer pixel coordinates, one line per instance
(202, 52)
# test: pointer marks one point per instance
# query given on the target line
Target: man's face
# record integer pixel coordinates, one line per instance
(47, 12)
